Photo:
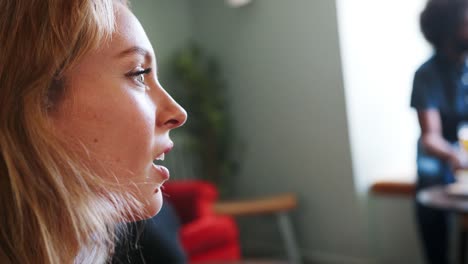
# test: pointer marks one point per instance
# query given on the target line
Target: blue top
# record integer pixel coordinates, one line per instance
(439, 84)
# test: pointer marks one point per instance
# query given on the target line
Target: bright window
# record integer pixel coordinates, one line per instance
(381, 47)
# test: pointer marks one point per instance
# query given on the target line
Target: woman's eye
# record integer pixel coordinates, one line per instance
(139, 75)
(140, 78)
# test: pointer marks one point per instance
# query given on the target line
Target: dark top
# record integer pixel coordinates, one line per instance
(152, 241)
(439, 84)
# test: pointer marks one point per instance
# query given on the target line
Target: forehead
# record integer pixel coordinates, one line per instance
(128, 33)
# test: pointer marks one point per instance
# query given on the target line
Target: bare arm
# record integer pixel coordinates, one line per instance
(432, 140)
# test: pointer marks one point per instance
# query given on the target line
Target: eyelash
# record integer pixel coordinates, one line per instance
(140, 73)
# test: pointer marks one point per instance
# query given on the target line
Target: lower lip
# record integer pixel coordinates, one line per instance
(163, 171)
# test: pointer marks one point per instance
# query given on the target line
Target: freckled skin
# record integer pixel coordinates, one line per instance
(123, 122)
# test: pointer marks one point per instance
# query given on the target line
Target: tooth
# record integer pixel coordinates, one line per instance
(161, 157)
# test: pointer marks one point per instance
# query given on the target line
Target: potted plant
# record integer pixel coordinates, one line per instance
(202, 92)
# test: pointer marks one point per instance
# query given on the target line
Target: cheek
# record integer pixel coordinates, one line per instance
(124, 135)
(116, 131)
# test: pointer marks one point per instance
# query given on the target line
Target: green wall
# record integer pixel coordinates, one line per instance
(281, 61)
(168, 26)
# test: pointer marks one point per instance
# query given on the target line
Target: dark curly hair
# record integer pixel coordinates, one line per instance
(441, 20)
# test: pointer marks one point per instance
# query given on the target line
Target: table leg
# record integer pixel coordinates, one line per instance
(454, 239)
(462, 246)
(288, 236)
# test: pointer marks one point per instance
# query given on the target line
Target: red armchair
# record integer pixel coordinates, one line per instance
(205, 236)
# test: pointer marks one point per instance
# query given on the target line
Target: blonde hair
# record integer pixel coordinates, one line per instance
(52, 208)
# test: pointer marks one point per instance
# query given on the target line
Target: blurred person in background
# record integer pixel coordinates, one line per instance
(440, 97)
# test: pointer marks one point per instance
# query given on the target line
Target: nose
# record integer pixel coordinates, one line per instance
(170, 114)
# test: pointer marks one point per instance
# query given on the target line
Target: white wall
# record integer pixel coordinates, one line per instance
(381, 47)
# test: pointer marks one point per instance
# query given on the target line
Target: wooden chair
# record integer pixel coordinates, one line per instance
(277, 205)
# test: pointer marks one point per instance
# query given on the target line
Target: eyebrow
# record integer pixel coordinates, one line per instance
(136, 50)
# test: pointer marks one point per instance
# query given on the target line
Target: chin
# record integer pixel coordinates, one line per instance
(153, 206)
(149, 206)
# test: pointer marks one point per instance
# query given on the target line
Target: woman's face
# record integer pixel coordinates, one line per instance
(116, 108)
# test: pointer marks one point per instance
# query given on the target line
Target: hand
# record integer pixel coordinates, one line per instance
(459, 159)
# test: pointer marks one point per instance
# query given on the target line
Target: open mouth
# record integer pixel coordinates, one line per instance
(159, 158)
(162, 170)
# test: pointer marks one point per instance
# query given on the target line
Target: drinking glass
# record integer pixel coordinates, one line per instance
(463, 135)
